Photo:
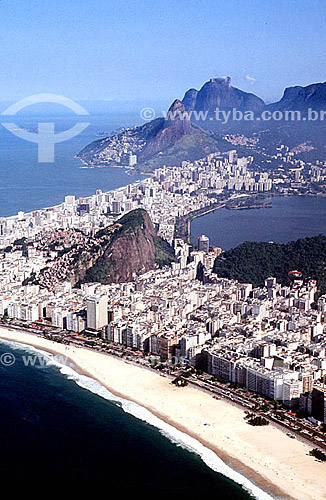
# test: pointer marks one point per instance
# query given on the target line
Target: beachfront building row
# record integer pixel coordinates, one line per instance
(313, 404)
(267, 339)
(278, 383)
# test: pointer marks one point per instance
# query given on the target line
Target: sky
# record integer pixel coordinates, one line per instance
(154, 50)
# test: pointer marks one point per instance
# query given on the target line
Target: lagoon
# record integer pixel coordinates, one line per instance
(289, 218)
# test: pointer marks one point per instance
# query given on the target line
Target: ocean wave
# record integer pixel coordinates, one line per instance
(176, 436)
(18, 346)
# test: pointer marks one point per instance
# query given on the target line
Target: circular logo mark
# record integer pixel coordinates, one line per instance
(147, 114)
(7, 359)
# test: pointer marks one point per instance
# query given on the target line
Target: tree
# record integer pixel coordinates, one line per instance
(318, 454)
(179, 382)
(256, 420)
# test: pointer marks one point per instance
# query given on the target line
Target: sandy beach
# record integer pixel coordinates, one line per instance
(266, 455)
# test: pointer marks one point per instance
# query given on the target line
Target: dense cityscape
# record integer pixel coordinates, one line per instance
(269, 340)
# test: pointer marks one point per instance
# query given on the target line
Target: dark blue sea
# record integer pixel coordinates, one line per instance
(61, 429)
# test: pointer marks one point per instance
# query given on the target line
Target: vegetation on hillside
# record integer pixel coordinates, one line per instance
(164, 252)
(253, 262)
(101, 272)
(132, 243)
(133, 219)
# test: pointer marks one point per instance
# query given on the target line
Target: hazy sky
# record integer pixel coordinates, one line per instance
(157, 49)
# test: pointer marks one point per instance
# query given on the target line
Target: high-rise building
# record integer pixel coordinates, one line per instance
(291, 392)
(233, 156)
(318, 403)
(132, 160)
(97, 311)
(116, 207)
(203, 243)
(270, 282)
(70, 200)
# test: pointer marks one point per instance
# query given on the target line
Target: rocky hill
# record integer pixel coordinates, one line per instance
(218, 93)
(133, 249)
(301, 98)
(168, 141)
(115, 254)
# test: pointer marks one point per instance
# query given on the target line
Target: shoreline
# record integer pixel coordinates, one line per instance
(125, 169)
(273, 196)
(189, 218)
(235, 443)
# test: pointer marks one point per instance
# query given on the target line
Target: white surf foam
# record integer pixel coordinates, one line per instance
(174, 435)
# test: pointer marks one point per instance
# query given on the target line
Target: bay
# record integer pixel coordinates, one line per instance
(28, 185)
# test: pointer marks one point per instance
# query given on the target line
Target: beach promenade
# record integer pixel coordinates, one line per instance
(276, 463)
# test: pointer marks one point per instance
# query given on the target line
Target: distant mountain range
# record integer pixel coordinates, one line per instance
(181, 135)
(301, 98)
(218, 93)
(166, 141)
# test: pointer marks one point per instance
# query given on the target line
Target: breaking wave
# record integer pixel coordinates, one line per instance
(174, 435)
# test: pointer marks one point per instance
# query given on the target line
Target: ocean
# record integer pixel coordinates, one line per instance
(28, 185)
(61, 429)
(289, 218)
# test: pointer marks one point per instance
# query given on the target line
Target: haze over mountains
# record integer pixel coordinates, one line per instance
(218, 93)
(301, 98)
(184, 135)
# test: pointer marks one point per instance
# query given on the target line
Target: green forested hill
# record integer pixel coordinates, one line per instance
(253, 262)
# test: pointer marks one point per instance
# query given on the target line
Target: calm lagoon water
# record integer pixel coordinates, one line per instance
(289, 218)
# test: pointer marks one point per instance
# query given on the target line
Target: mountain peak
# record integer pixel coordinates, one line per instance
(176, 108)
(132, 248)
(221, 81)
(218, 93)
(298, 98)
